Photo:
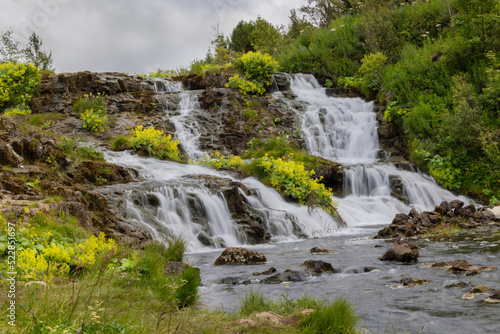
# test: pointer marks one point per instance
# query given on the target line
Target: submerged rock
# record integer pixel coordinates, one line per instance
(460, 266)
(401, 251)
(240, 256)
(411, 282)
(318, 267)
(286, 276)
(267, 272)
(317, 250)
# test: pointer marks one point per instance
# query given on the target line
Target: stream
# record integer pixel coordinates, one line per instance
(342, 130)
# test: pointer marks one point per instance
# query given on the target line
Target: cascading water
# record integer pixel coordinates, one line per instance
(345, 130)
(173, 202)
(187, 129)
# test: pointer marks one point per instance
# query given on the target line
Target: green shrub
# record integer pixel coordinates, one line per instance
(18, 83)
(94, 121)
(89, 153)
(254, 302)
(257, 66)
(120, 143)
(18, 111)
(36, 120)
(219, 161)
(187, 293)
(89, 101)
(245, 86)
(155, 143)
(371, 72)
(337, 317)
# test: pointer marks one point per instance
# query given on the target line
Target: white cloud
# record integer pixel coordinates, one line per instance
(130, 35)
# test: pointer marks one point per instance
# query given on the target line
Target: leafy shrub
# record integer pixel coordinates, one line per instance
(18, 111)
(291, 178)
(18, 83)
(94, 121)
(88, 101)
(219, 161)
(349, 82)
(155, 143)
(245, 86)
(371, 72)
(89, 153)
(36, 120)
(257, 66)
(120, 143)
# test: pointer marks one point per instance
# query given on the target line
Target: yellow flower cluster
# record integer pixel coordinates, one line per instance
(258, 66)
(18, 83)
(245, 86)
(155, 143)
(96, 121)
(219, 161)
(17, 111)
(46, 257)
(293, 180)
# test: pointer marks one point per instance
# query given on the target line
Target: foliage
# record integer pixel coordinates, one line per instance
(155, 143)
(18, 110)
(32, 53)
(240, 37)
(337, 317)
(257, 66)
(370, 72)
(219, 161)
(94, 120)
(293, 180)
(321, 12)
(89, 101)
(245, 86)
(349, 82)
(18, 83)
(265, 37)
(89, 153)
(120, 143)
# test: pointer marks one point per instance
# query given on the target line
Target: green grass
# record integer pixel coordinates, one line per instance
(337, 317)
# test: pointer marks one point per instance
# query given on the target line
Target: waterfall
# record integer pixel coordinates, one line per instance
(345, 130)
(170, 201)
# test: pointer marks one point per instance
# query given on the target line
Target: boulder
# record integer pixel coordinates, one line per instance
(495, 298)
(401, 251)
(317, 250)
(270, 316)
(411, 282)
(317, 267)
(8, 157)
(267, 272)
(240, 256)
(286, 276)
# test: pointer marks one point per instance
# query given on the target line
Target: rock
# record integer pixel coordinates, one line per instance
(317, 250)
(240, 256)
(282, 81)
(411, 282)
(8, 157)
(495, 298)
(401, 251)
(307, 312)
(480, 289)
(317, 267)
(267, 272)
(174, 267)
(459, 266)
(286, 276)
(245, 323)
(270, 316)
(495, 211)
(458, 285)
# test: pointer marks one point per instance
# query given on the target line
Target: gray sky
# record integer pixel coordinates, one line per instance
(132, 36)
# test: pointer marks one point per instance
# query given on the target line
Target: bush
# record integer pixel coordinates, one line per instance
(120, 143)
(18, 83)
(371, 72)
(36, 120)
(245, 86)
(291, 178)
(94, 121)
(18, 111)
(155, 143)
(89, 101)
(218, 161)
(257, 66)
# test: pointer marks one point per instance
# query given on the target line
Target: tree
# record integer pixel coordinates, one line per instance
(297, 25)
(321, 12)
(265, 37)
(9, 49)
(240, 37)
(34, 53)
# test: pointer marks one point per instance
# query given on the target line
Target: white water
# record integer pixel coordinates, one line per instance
(187, 129)
(345, 130)
(170, 183)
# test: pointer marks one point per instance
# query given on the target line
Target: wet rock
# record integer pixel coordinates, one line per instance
(286, 276)
(230, 280)
(267, 272)
(317, 267)
(401, 251)
(317, 250)
(458, 285)
(282, 81)
(460, 266)
(495, 298)
(240, 256)
(477, 290)
(411, 282)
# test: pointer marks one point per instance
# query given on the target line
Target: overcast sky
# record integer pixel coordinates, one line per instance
(132, 36)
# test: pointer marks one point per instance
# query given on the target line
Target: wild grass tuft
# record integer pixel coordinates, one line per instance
(337, 317)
